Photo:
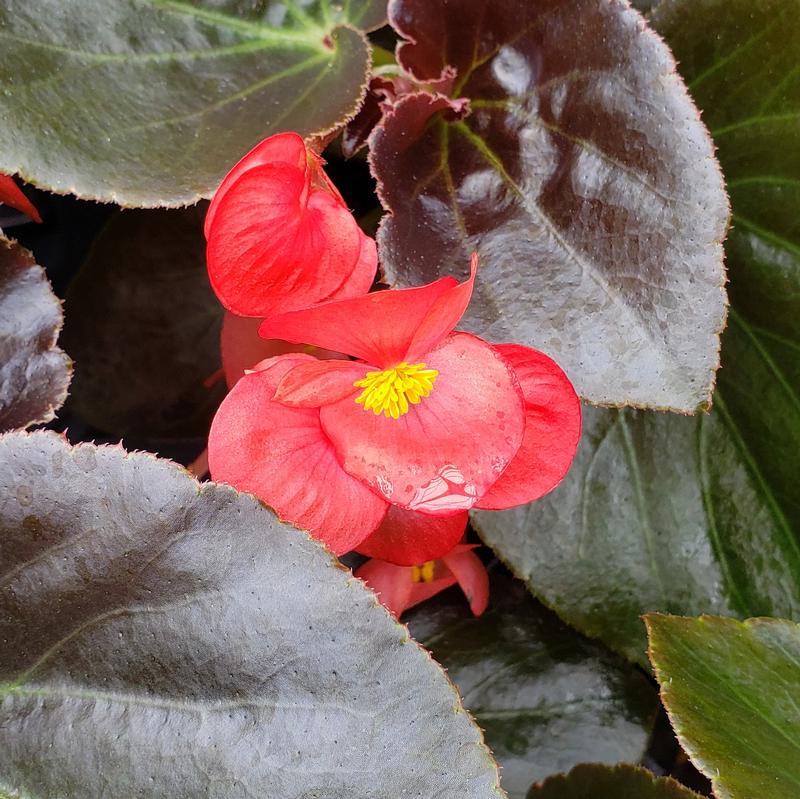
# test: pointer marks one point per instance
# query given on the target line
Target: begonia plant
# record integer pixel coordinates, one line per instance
(428, 383)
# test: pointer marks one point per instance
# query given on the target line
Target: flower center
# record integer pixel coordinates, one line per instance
(389, 392)
(423, 573)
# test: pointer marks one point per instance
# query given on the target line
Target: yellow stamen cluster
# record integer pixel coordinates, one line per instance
(423, 573)
(389, 392)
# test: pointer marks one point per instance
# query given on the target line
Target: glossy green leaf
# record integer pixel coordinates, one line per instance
(34, 372)
(143, 327)
(583, 177)
(730, 689)
(150, 102)
(591, 781)
(662, 513)
(542, 693)
(166, 638)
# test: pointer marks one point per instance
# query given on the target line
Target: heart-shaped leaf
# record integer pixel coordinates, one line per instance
(591, 781)
(34, 372)
(583, 177)
(166, 638)
(143, 326)
(699, 515)
(539, 690)
(150, 103)
(730, 689)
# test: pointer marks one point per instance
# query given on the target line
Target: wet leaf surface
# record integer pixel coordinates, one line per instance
(583, 177)
(544, 695)
(662, 513)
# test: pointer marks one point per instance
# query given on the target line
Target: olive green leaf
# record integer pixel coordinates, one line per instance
(150, 102)
(731, 689)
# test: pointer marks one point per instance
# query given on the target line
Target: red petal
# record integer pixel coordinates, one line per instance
(407, 538)
(362, 277)
(380, 327)
(311, 385)
(448, 450)
(471, 575)
(277, 245)
(11, 194)
(282, 456)
(285, 148)
(422, 592)
(395, 588)
(552, 430)
(443, 316)
(391, 583)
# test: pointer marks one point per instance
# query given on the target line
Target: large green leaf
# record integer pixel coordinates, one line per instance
(700, 515)
(143, 324)
(34, 372)
(150, 102)
(731, 690)
(581, 174)
(592, 781)
(542, 693)
(166, 638)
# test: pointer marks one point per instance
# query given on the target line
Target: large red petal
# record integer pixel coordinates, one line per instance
(443, 316)
(11, 194)
(362, 277)
(312, 385)
(407, 538)
(282, 148)
(378, 327)
(282, 456)
(552, 430)
(469, 571)
(447, 451)
(278, 245)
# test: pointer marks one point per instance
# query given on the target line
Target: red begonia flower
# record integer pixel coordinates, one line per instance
(430, 421)
(282, 455)
(280, 237)
(401, 587)
(11, 194)
(429, 418)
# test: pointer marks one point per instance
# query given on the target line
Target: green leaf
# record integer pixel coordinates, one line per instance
(662, 513)
(539, 690)
(583, 177)
(143, 327)
(34, 372)
(730, 689)
(590, 781)
(151, 102)
(166, 638)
